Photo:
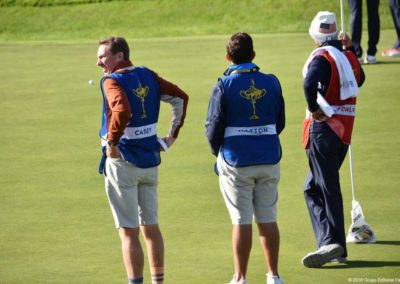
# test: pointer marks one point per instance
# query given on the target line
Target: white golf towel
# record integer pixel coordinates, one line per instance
(163, 145)
(348, 83)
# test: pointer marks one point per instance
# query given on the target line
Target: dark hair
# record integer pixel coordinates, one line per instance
(240, 48)
(117, 44)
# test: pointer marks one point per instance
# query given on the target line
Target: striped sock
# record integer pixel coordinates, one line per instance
(159, 277)
(137, 280)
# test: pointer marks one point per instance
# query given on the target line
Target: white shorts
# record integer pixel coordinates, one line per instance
(132, 193)
(249, 192)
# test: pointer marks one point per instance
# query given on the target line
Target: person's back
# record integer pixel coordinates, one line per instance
(245, 116)
(253, 102)
(331, 75)
(131, 152)
(139, 143)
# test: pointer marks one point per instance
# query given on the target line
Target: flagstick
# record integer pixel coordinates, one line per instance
(350, 152)
(351, 173)
(342, 15)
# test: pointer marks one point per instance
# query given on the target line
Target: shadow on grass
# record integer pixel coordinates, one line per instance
(363, 264)
(386, 62)
(392, 243)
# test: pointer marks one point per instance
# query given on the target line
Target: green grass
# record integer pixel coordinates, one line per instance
(44, 3)
(55, 220)
(157, 18)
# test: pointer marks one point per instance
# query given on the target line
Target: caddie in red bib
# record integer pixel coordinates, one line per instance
(331, 80)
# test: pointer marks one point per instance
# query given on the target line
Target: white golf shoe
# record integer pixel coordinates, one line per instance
(370, 59)
(391, 52)
(234, 281)
(274, 279)
(323, 255)
(339, 260)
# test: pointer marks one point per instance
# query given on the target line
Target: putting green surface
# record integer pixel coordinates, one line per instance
(56, 226)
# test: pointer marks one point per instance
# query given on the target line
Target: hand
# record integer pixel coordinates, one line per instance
(345, 39)
(113, 152)
(319, 115)
(169, 140)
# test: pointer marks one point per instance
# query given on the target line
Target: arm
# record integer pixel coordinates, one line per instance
(280, 121)
(215, 123)
(119, 116)
(348, 45)
(317, 80)
(362, 78)
(178, 99)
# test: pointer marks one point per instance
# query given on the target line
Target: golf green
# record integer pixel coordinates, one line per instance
(56, 226)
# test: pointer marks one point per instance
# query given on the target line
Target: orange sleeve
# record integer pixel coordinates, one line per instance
(119, 110)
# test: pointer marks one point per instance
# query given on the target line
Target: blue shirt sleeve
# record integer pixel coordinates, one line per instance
(216, 119)
(317, 80)
(280, 120)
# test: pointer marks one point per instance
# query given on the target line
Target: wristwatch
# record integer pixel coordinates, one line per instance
(111, 144)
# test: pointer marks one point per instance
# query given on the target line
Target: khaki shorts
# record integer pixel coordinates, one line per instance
(249, 192)
(132, 193)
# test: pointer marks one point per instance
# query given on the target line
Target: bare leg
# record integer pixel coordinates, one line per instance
(241, 243)
(155, 251)
(269, 239)
(132, 252)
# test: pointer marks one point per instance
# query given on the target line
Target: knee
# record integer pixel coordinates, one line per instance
(129, 234)
(151, 231)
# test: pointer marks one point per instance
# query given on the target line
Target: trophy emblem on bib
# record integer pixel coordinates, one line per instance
(253, 94)
(141, 93)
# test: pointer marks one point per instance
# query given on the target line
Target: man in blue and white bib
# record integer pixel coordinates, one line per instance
(131, 152)
(246, 114)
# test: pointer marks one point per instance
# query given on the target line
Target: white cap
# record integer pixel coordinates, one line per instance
(324, 27)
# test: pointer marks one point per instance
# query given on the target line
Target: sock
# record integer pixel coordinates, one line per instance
(269, 275)
(158, 277)
(137, 280)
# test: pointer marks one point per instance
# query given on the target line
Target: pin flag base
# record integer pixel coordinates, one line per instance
(359, 231)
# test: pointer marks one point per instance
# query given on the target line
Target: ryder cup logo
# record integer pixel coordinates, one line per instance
(141, 93)
(253, 94)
